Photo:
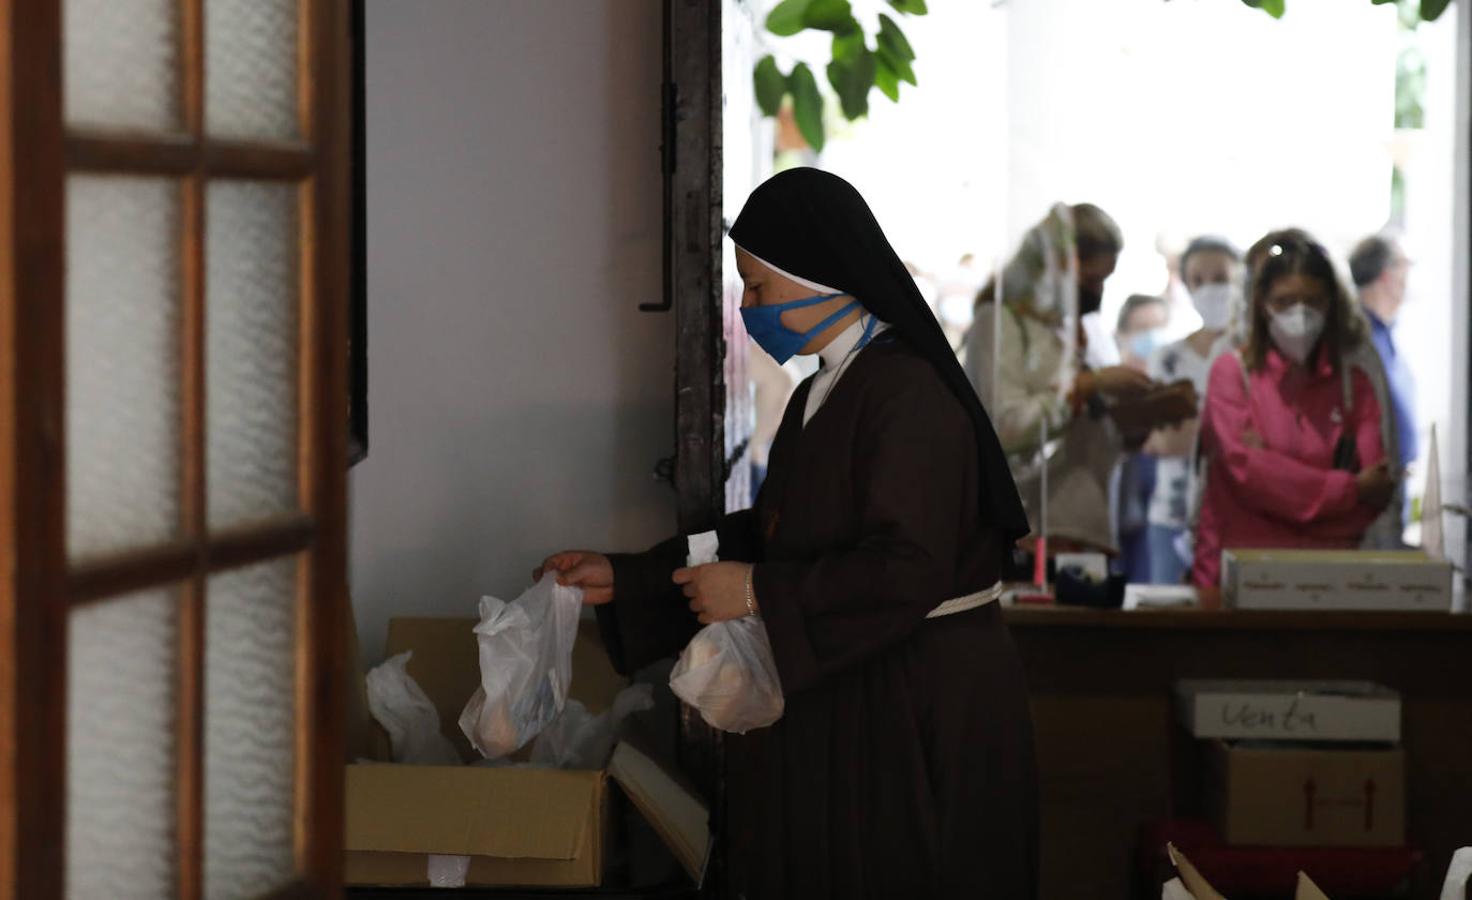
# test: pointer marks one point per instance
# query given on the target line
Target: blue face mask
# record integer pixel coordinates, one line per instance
(1144, 343)
(764, 324)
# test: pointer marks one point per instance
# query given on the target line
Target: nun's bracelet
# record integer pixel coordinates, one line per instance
(750, 596)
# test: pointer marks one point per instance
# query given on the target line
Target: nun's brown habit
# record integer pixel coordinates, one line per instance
(903, 765)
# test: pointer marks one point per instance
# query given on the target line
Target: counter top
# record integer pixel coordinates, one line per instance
(1029, 616)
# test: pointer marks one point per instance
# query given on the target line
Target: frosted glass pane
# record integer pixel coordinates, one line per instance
(251, 55)
(122, 63)
(252, 324)
(122, 320)
(250, 668)
(120, 799)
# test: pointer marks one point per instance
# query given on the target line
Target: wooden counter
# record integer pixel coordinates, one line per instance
(1111, 756)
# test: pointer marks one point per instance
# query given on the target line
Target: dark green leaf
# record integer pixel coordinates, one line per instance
(900, 67)
(785, 19)
(1383, 2)
(830, 15)
(911, 7)
(892, 40)
(771, 86)
(849, 46)
(851, 79)
(807, 105)
(885, 78)
(1431, 10)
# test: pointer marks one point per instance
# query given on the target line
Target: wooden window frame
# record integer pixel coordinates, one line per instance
(39, 585)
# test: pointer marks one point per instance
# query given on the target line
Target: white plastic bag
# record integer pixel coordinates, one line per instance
(727, 671)
(403, 709)
(577, 739)
(525, 666)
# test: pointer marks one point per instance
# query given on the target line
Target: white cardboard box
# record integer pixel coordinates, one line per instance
(1336, 579)
(1289, 710)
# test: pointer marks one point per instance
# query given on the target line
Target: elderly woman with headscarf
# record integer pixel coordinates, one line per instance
(903, 763)
(1025, 357)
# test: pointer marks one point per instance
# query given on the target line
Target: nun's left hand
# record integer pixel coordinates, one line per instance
(717, 591)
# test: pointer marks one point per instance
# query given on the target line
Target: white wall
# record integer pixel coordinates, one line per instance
(518, 400)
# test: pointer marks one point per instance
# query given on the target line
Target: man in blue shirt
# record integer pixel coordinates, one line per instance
(1379, 266)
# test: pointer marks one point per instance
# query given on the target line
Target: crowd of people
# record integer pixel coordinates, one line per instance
(1285, 420)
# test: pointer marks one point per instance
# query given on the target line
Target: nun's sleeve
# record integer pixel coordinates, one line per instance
(915, 475)
(649, 618)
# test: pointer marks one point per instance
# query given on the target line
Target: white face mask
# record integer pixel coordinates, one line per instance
(1296, 330)
(1215, 303)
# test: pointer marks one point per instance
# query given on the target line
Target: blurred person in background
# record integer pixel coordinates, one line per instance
(1024, 355)
(1142, 319)
(1137, 332)
(1379, 267)
(1211, 270)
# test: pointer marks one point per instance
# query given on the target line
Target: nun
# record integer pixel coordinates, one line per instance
(903, 764)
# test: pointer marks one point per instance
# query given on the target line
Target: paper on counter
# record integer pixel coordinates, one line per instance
(1160, 596)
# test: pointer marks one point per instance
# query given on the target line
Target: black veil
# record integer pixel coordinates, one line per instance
(815, 225)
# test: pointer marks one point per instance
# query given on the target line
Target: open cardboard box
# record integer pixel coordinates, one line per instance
(518, 826)
(1192, 886)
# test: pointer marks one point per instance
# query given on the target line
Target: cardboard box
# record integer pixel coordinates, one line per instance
(1297, 797)
(1289, 710)
(533, 827)
(1336, 579)
(518, 826)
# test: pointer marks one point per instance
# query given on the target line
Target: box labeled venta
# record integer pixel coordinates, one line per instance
(505, 826)
(1267, 795)
(1336, 579)
(1289, 710)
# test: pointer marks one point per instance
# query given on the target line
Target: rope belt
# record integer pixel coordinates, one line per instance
(970, 601)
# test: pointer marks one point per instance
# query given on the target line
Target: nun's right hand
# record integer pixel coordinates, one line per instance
(582, 569)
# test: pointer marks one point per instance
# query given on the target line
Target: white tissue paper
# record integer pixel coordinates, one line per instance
(447, 871)
(400, 705)
(525, 666)
(727, 671)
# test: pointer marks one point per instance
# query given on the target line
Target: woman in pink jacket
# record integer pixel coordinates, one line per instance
(1290, 432)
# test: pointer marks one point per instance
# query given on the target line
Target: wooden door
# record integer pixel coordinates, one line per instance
(172, 447)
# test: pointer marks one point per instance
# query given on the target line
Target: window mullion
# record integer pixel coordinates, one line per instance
(190, 747)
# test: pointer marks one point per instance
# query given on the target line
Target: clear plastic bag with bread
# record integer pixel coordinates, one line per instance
(727, 670)
(525, 666)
